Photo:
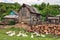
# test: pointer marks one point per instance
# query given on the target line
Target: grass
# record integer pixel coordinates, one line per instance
(3, 36)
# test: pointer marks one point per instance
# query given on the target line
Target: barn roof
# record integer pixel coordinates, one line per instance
(31, 9)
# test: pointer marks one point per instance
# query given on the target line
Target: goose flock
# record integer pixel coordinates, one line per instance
(12, 33)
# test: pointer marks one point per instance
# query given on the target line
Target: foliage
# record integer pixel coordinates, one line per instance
(12, 22)
(5, 8)
(45, 9)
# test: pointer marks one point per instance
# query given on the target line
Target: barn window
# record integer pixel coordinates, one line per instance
(23, 12)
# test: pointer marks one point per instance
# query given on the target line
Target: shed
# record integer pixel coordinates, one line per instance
(54, 20)
(13, 16)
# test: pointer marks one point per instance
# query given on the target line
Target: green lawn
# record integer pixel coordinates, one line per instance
(3, 36)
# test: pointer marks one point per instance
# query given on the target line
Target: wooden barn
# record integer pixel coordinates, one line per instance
(29, 15)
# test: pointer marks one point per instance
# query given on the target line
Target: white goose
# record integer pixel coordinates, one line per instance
(8, 32)
(32, 36)
(12, 34)
(24, 35)
(37, 34)
(42, 35)
(20, 34)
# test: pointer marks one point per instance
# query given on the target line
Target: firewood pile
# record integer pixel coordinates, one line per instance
(47, 29)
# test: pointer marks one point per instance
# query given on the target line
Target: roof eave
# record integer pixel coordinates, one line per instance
(35, 13)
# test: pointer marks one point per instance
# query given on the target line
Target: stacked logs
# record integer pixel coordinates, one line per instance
(47, 29)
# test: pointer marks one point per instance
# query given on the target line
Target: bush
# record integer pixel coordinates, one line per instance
(12, 22)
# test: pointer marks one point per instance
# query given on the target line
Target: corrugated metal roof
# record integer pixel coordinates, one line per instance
(11, 16)
(57, 15)
(53, 17)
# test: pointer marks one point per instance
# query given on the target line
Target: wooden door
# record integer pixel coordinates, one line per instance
(33, 20)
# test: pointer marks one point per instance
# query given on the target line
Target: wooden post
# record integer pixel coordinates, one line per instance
(30, 21)
(59, 19)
